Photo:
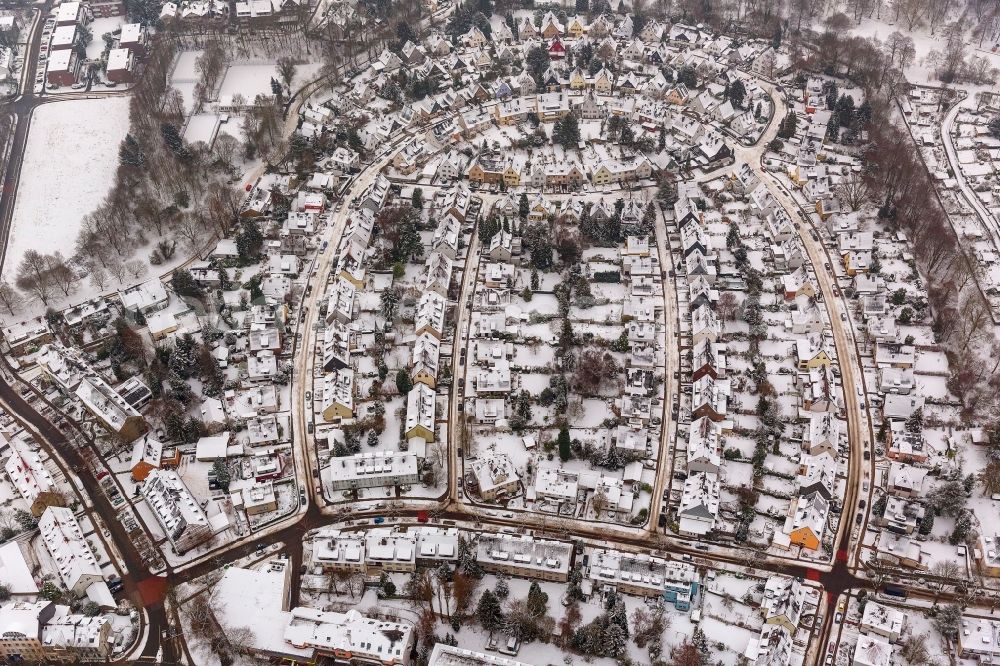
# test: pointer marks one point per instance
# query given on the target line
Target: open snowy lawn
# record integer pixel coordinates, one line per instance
(253, 80)
(201, 127)
(185, 68)
(186, 89)
(69, 164)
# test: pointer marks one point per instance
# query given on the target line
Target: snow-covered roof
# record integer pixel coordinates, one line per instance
(119, 59)
(212, 447)
(66, 544)
(176, 509)
(349, 632)
(14, 571)
(27, 471)
(446, 655)
(258, 599)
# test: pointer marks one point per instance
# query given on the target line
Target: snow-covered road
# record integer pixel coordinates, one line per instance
(989, 222)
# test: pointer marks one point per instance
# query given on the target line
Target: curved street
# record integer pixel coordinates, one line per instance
(844, 573)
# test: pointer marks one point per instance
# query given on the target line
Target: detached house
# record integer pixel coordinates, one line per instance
(806, 522)
(551, 27)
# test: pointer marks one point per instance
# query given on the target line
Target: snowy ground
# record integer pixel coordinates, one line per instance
(98, 28)
(919, 72)
(69, 163)
(252, 80)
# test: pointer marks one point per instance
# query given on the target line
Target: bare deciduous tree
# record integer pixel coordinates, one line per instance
(135, 268)
(99, 277)
(63, 277)
(225, 148)
(117, 268)
(592, 370)
(948, 569)
(33, 276)
(286, 67)
(914, 650)
(223, 206)
(9, 297)
(210, 64)
(727, 306)
(853, 190)
(191, 228)
(241, 639)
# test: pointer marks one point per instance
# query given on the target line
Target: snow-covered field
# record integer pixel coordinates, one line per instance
(201, 127)
(920, 72)
(69, 163)
(253, 80)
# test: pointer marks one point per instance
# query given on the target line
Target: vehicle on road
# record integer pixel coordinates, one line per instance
(894, 591)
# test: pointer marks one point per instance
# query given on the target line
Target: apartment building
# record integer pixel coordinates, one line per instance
(75, 562)
(29, 476)
(525, 556)
(176, 510)
(110, 408)
(372, 470)
(350, 637)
